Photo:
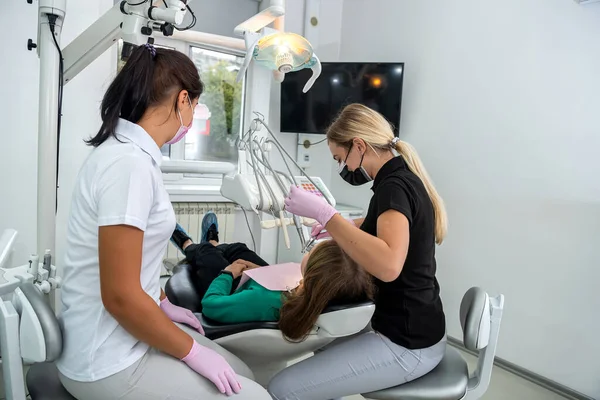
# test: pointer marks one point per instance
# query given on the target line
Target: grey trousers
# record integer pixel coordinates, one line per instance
(158, 376)
(363, 363)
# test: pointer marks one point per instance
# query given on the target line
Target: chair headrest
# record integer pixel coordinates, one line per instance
(475, 319)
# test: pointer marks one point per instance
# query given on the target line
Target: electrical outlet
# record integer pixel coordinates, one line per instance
(306, 150)
(303, 158)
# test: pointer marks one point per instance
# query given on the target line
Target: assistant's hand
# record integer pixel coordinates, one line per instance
(236, 269)
(317, 230)
(181, 315)
(213, 367)
(306, 204)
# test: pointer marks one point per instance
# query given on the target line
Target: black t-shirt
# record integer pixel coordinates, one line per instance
(408, 310)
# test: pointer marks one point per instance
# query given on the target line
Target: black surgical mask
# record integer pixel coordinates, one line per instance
(357, 177)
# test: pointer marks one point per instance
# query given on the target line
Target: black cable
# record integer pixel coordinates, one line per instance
(136, 4)
(312, 144)
(52, 24)
(192, 24)
(165, 3)
(249, 229)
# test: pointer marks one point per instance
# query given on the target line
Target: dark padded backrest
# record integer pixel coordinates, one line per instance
(48, 321)
(473, 309)
(181, 291)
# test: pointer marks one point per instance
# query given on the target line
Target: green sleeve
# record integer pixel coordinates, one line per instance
(220, 286)
(250, 305)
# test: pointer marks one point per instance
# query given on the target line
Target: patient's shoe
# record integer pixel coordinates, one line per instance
(210, 228)
(179, 237)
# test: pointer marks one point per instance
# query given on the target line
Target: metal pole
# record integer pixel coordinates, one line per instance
(47, 129)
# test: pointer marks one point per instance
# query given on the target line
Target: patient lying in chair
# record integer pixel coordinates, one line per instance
(329, 276)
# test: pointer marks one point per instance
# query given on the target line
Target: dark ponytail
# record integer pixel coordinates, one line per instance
(148, 78)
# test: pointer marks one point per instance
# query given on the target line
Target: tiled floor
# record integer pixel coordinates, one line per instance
(506, 386)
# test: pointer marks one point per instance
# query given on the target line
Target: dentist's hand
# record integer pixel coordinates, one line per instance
(317, 230)
(306, 204)
(181, 315)
(213, 367)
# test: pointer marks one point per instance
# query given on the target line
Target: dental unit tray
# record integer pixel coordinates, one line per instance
(265, 189)
(244, 190)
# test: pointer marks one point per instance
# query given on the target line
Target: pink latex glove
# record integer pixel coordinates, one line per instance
(213, 367)
(317, 230)
(181, 315)
(307, 204)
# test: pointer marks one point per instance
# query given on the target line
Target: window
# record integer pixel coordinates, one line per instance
(218, 121)
(213, 139)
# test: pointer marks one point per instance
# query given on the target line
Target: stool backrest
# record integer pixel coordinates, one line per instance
(480, 318)
(50, 328)
(475, 319)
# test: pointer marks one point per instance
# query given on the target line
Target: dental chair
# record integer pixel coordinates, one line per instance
(480, 318)
(39, 340)
(260, 344)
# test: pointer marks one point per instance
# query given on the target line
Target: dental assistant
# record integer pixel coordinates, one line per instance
(123, 339)
(395, 243)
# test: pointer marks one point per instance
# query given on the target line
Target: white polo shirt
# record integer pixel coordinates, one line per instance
(119, 183)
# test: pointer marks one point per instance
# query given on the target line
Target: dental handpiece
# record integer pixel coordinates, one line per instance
(47, 261)
(298, 223)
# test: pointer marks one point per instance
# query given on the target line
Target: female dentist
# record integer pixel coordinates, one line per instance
(396, 244)
(121, 340)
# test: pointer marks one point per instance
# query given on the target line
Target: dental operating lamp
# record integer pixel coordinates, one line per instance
(282, 52)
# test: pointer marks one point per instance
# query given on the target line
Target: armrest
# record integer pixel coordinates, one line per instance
(215, 330)
(340, 306)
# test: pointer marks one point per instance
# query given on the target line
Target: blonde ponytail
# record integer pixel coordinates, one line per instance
(414, 163)
(358, 121)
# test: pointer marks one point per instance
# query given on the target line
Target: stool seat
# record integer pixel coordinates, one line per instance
(43, 383)
(447, 381)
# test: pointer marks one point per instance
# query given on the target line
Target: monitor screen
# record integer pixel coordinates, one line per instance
(376, 85)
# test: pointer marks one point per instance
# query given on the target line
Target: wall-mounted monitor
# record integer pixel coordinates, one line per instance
(376, 85)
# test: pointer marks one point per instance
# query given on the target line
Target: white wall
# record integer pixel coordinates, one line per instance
(502, 101)
(18, 113)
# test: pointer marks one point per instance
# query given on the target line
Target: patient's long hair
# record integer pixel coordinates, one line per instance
(331, 276)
